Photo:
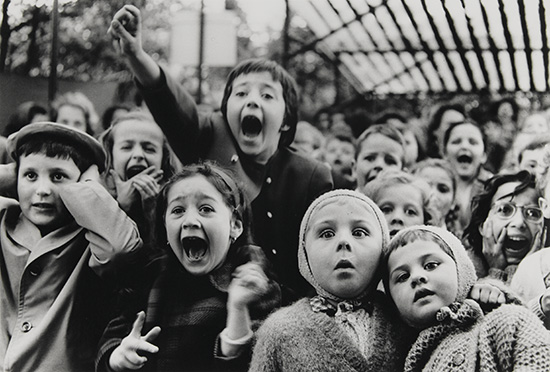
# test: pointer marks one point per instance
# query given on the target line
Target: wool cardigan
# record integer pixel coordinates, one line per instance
(509, 338)
(296, 339)
(279, 191)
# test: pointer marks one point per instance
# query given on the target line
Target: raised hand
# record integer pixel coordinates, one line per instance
(90, 174)
(249, 283)
(493, 249)
(128, 354)
(126, 30)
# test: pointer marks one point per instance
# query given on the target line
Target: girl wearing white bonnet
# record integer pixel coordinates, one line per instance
(348, 325)
(429, 276)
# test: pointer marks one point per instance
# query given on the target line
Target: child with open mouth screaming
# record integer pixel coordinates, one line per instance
(138, 164)
(507, 224)
(251, 135)
(201, 298)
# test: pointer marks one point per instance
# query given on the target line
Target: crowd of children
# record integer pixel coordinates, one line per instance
(167, 238)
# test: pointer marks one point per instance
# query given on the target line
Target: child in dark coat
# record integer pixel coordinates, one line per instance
(251, 136)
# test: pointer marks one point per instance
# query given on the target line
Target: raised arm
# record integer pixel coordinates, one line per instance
(126, 32)
(172, 107)
(110, 231)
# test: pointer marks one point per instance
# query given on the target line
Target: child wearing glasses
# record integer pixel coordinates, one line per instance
(507, 224)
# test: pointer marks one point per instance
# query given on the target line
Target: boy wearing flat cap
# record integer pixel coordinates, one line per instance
(59, 241)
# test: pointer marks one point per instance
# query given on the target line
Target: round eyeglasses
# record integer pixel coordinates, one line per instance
(506, 210)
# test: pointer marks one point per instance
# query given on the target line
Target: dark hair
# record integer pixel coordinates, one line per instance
(107, 140)
(388, 115)
(223, 180)
(481, 204)
(23, 115)
(496, 106)
(278, 73)
(107, 118)
(452, 126)
(435, 122)
(536, 143)
(54, 146)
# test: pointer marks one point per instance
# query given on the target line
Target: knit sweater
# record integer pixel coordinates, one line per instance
(297, 339)
(509, 338)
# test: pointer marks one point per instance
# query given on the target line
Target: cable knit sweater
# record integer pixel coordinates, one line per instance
(509, 338)
(297, 339)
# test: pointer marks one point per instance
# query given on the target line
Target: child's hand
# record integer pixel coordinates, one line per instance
(90, 174)
(126, 194)
(126, 30)
(545, 302)
(147, 184)
(249, 283)
(538, 241)
(492, 250)
(487, 294)
(127, 354)
(8, 179)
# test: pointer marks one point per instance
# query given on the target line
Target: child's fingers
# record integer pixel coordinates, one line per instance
(144, 346)
(134, 361)
(138, 325)
(146, 186)
(152, 334)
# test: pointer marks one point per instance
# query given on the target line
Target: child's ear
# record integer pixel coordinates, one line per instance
(236, 228)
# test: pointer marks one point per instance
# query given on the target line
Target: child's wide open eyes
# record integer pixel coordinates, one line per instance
(386, 209)
(30, 176)
(267, 96)
(326, 234)
(360, 232)
(58, 177)
(177, 210)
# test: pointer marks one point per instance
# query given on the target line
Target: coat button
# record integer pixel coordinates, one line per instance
(269, 215)
(25, 327)
(268, 180)
(234, 158)
(274, 251)
(458, 359)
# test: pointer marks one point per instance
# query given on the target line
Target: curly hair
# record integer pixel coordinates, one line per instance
(481, 204)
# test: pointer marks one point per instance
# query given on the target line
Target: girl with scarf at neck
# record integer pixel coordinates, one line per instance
(348, 325)
(428, 275)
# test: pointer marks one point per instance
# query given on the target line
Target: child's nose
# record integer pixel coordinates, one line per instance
(138, 153)
(418, 277)
(396, 218)
(190, 220)
(43, 187)
(344, 245)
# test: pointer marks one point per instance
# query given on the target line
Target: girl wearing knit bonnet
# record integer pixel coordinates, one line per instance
(348, 325)
(428, 276)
